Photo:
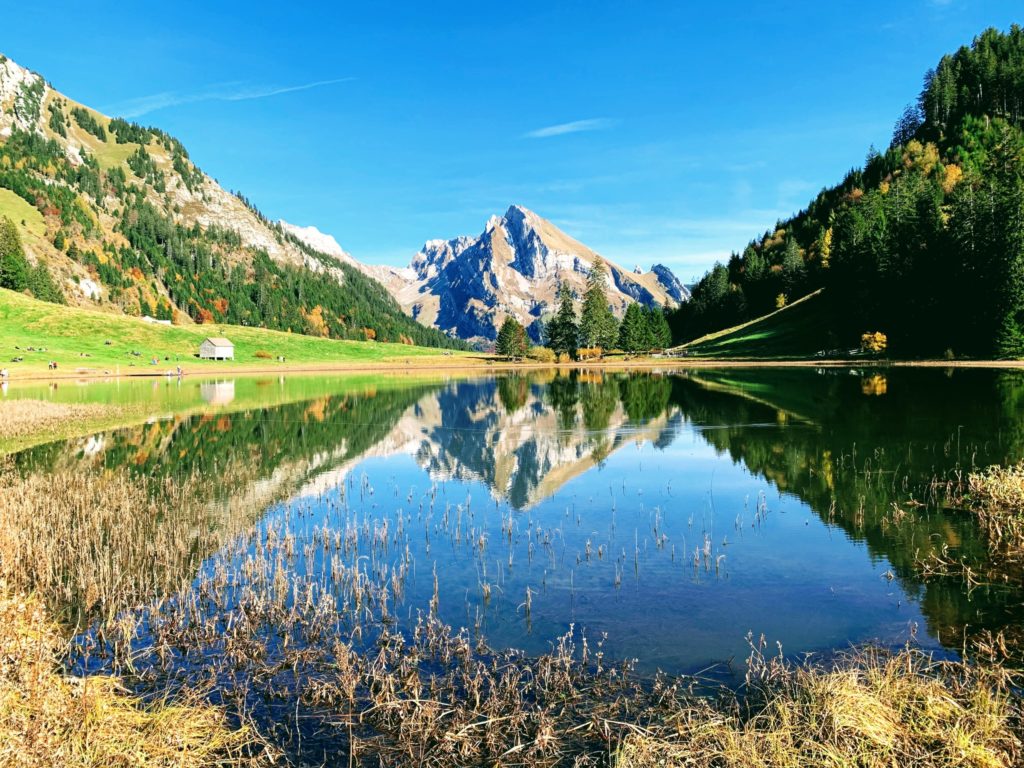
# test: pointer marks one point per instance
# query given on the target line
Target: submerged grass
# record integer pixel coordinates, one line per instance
(96, 543)
(25, 421)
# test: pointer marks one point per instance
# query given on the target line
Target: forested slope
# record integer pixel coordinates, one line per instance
(925, 242)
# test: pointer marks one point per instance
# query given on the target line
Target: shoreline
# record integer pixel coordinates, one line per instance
(490, 365)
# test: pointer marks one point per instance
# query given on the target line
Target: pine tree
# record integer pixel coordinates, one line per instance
(635, 332)
(511, 341)
(598, 326)
(647, 341)
(42, 286)
(661, 334)
(14, 269)
(561, 332)
(1010, 215)
(792, 268)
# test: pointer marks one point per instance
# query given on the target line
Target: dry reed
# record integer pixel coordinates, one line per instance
(312, 653)
(49, 719)
(21, 418)
(870, 709)
(94, 543)
(997, 498)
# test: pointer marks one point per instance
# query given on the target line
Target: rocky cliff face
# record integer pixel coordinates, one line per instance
(468, 286)
(673, 287)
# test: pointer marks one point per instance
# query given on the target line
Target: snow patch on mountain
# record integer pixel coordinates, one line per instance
(318, 241)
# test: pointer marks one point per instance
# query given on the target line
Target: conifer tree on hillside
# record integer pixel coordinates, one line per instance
(41, 283)
(924, 243)
(1010, 247)
(657, 323)
(14, 269)
(598, 326)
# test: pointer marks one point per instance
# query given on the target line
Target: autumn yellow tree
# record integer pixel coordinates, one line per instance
(315, 323)
(874, 343)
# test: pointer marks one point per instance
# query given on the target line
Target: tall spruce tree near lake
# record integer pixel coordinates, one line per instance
(511, 341)
(562, 332)
(635, 332)
(598, 326)
(657, 323)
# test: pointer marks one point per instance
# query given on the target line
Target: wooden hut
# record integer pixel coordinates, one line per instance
(217, 348)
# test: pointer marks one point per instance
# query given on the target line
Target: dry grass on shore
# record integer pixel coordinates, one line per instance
(27, 418)
(98, 543)
(997, 498)
(872, 710)
(50, 719)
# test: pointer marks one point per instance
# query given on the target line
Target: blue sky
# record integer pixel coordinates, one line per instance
(652, 131)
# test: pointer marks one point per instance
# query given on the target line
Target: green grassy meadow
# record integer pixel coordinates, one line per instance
(89, 341)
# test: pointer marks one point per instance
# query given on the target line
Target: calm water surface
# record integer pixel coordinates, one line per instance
(674, 513)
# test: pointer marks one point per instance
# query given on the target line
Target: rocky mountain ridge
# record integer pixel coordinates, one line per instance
(467, 286)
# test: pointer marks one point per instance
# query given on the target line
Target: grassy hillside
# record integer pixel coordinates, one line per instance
(110, 213)
(77, 339)
(21, 213)
(800, 329)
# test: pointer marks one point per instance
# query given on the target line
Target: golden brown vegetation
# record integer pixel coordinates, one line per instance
(997, 498)
(100, 542)
(49, 719)
(874, 343)
(20, 418)
(541, 355)
(104, 542)
(870, 710)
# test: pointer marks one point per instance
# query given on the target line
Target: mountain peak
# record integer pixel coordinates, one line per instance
(9, 66)
(23, 90)
(519, 212)
(468, 285)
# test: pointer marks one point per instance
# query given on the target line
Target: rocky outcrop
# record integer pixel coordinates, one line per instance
(673, 287)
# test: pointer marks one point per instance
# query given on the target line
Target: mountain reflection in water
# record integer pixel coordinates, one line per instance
(674, 512)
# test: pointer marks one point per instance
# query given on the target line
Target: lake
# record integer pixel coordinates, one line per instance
(669, 517)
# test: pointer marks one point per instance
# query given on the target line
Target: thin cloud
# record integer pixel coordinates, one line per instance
(577, 126)
(235, 91)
